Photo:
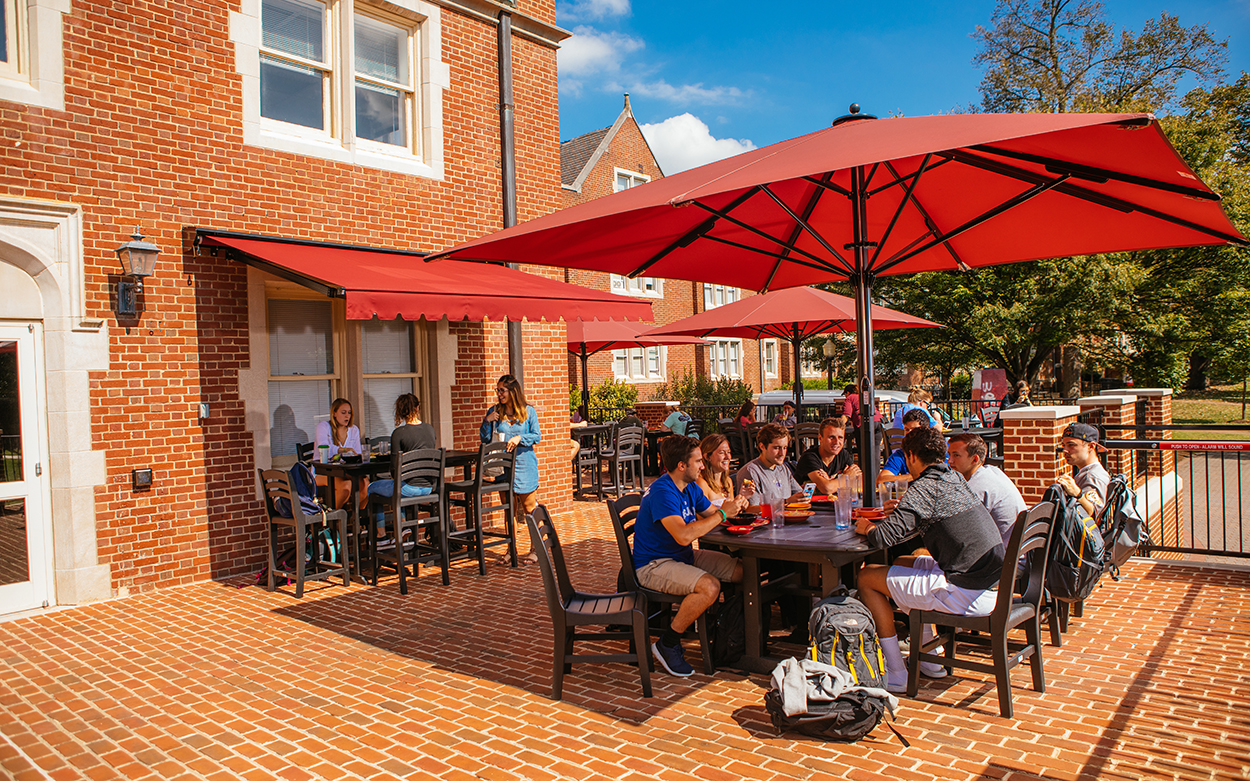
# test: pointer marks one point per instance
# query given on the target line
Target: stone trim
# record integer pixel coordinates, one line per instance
(1040, 413)
(1137, 392)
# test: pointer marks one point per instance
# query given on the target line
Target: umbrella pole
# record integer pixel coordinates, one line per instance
(869, 460)
(795, 342)
(585, 386)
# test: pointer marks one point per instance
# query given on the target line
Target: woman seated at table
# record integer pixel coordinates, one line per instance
(918, 398)
(410, 434)
(714, 478)
(746, 413)
(343, 439)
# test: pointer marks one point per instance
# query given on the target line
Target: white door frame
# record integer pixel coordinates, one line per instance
(35, 487)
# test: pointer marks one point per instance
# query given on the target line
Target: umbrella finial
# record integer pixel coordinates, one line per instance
(854, 108)
(853, 115)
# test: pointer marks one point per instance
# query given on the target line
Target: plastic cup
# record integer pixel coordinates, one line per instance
(841, 518)
(777, 511)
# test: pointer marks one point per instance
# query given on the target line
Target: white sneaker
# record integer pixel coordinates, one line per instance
(931, 670)
(896, 688)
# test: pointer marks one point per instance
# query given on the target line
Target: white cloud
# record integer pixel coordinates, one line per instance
(684, 142)
(685, 94)
(589, 51)
(579, 10)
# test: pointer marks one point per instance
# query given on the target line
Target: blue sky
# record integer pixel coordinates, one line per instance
(710, 79)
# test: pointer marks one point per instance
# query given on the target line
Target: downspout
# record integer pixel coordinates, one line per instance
(507, 149)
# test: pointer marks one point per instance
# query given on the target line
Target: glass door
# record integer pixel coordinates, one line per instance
(25, 531)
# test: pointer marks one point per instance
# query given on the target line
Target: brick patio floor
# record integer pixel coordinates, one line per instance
(219, 682)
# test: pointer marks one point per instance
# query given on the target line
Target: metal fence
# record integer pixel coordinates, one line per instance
(1190, 490)
(11, 457)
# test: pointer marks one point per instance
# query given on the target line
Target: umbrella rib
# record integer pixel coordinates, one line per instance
(797, 231)
(929, 223)
(904, 179)
(802, 224)
(827, 185)
(1102, 199)
(1099, 175)
(821, 266)
(691, 235)
(1007, 205)
(902, 204)
(763, 235)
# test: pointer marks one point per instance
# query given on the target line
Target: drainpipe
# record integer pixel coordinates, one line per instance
(507, 154)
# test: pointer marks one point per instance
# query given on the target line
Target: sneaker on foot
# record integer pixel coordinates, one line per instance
(932, 670)
(896, 687)
(385, 543)
(672, 659)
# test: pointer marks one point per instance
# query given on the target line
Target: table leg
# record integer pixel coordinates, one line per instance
(752, 607)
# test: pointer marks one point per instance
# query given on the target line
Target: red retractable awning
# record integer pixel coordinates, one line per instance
(390, 283)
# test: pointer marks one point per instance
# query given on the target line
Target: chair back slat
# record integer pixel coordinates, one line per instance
(304, 452)
(492, 457)
(545, 543)
(694, 428)
(805, 436)
(1030, 534)
(629, 440)
(624, 513)
(276, 484)
(425, 464)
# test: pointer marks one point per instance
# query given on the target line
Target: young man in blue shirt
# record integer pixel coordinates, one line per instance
(896, 466)
(675, 513)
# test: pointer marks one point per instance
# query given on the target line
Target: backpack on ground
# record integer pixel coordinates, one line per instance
(1075, 557)
(304, 484)
(729, 636)
(1123, 529)
(813, 698)
(843, 635)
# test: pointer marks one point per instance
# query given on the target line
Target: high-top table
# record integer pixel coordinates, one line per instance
(355, 472)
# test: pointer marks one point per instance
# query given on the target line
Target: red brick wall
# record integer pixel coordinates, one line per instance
(151, 135)
(1031, 457)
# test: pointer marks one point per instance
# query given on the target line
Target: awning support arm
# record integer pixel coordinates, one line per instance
(690, 236)
(802, 223)
(1095, 174)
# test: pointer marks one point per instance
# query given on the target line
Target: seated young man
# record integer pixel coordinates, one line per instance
(675, 513)
(964, 566)
(768, 473)
(1080, 449)
(896, 466)
(828, 459)
(987, 482)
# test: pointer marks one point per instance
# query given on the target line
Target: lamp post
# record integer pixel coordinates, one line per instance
(138, 260)
(830, 350)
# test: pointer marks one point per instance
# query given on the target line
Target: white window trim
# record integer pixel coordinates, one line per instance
(709, 291)
(40, 78)
(647, 376)
(433, 78)
(641, 178)
(771, 373)
(714, 359)
(620, 286)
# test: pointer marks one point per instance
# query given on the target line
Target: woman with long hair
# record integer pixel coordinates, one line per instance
(410, 434)
(342, 438)
(714, 478)
(746, 413)
(513, 420)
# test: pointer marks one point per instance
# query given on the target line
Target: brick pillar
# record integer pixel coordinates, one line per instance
(1117, 410)
(653, 413)
(1031, 440)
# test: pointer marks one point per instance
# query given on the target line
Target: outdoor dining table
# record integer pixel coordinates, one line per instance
(355, 472)
(815, 541)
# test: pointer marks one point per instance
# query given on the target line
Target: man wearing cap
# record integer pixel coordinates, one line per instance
(1080, 450)
(786, 416)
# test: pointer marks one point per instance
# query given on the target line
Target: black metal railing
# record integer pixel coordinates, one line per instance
(11, 457)
(1190, 490)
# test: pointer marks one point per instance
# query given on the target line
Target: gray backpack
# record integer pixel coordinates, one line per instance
(844, 635)
(1123, 530)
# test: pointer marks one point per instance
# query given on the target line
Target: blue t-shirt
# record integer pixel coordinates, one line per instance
(908, 407)
(662, 499)
(896, 464)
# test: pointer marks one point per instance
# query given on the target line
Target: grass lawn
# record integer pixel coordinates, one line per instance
(1219, 405)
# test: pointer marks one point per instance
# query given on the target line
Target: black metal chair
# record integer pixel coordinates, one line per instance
(624, 512)
(623, 459)
(587, 459)
(570, 609)
(805, 436)
(403, 515)
(491, 457)
(1031, 537)
(304, 452)
(732, 431)
(694, 428)
(308, 565)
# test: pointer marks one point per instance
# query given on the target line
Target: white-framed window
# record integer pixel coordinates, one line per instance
(640, 364)
(810, 369)
(303, 370)
(32, 59)
(642, 287)
(356, 81)
(627, 179)
(769, 347)
(726, 358)
(718, 295)
(390, 367)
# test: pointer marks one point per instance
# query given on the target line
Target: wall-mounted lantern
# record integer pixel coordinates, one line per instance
(138, 260)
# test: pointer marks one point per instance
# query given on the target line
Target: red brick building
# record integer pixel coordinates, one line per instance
(361, 122)
(615, 158)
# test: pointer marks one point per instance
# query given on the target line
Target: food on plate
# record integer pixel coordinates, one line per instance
(739, 529)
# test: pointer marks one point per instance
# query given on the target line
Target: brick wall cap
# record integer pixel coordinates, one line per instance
(646, 404)
(1137, 392)
(1107, 401)
(1040, 413)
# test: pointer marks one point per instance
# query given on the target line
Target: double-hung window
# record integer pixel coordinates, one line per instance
(718, 295)
(639, 364)
(32, 52)
(726, 358)
(388, 359)
(770, 357)
(644, 287)
(384, 90)
(10, 37)
(303, 373)
(295, 63)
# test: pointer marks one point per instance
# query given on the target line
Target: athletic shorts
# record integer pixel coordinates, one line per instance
(923, 586)
(669, 576)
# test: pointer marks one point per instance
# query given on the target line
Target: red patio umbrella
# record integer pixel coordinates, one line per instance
(589, 337)
(868, 197)
(791, 315)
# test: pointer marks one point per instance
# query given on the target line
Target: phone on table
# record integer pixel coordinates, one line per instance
(809, 489)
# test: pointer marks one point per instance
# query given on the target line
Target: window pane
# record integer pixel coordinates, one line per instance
(4, 31)
(386, 347)
(295, 409)
(300, 338)
(10, 416)
(380, 114)
(635, 359)
(294, 27)
(14, 542)
(622, 182)
(378, 416)
(653, 361)
(620, 363)
(291, 93)
(382, 51)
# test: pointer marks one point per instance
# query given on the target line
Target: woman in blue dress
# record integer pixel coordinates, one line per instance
(514, 421)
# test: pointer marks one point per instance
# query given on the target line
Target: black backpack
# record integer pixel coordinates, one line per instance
(1123, 530)
(729, 636)
(848, 718)
(844, 635)
(1075, 557)
(304, 484)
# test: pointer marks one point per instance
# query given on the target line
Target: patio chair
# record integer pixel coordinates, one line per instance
(624, 460)
(276, 484)
(895, 438)
(304, 452)
(1030, 536)
(587, 458)
(570, 609)
(805, 436)
(694, 428)
(732, 431)
(403, 515)
(624, 512)
(491, 456)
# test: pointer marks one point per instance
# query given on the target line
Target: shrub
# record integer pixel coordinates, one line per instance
(608, 394)
(692, 390)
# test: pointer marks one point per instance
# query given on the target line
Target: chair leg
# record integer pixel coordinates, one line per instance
(913, 654)
(397, 537)
(445, 549)
(301, 550)
(273, 556)
(1052, 621)
(1033, 634)
(643, 650)
(1002, 675)
(700, 625)
(343, 558)
(558, 654)
(510, 522)
(481, 542)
